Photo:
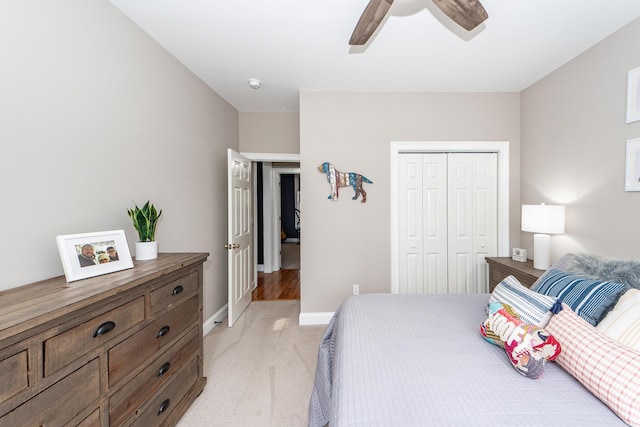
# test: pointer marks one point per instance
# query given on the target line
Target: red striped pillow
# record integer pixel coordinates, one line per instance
(609, 370)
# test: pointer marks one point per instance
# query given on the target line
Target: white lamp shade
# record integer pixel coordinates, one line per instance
(545, 219)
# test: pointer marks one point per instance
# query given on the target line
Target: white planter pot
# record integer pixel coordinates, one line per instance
(146, 250)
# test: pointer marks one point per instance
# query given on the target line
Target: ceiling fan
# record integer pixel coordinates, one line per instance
(466, 13)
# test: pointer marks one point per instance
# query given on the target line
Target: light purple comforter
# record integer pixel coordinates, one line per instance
(419, 360)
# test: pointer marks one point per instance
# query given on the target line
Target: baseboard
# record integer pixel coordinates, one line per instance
(304, 319)
(308, 319)
(214, 320)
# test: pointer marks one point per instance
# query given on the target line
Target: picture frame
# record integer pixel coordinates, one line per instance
(633, 95)
(76, 250)
(519, 254)
(632, 170)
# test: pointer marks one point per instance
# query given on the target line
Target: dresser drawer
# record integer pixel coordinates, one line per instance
(160, 407)
(92, 420)
(64, 348)
(14, 375)
(174, 293)
(58, 404)
(133, 351)
(131, 396)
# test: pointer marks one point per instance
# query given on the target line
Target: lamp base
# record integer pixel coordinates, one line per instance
(541, 251)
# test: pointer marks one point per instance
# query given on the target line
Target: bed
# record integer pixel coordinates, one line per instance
(419, 360)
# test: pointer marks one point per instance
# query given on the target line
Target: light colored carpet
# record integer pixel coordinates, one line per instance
(259, 372)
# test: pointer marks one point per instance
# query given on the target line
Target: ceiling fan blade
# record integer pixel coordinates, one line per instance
(373, 14)
(466, 13)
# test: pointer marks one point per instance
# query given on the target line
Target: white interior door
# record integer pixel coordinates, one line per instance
(239, 235)
(447, 221)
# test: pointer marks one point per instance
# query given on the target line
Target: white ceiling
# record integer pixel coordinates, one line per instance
(294, 45)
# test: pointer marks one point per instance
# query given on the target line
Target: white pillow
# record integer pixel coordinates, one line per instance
(531, 307)
(622, 324)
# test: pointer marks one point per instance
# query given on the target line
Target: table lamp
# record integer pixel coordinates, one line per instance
(542, 220)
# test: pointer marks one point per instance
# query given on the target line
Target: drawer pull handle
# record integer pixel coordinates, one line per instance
(163, 331)
(164, 406)
(164, 369)
(104, 328)
(177, 290)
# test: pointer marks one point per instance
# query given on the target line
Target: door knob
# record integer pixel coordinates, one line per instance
(231, 246)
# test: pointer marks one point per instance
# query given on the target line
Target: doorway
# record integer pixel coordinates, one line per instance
(277, 261)
(283, 281)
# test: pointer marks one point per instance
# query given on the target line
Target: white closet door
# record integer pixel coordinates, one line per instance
(423, 225)
(410, 246)
(472, 219)
(485, 217)
(434, 218)
(447, 221)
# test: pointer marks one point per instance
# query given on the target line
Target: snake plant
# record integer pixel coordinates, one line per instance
(145, 220)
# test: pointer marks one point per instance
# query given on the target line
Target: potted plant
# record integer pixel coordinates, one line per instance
(145, 220)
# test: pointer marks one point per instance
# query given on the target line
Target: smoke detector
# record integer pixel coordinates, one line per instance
(255, 83)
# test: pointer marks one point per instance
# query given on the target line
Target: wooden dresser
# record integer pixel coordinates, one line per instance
(501, 267)
(119, 349)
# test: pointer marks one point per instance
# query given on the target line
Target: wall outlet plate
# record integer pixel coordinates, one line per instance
(519, 254)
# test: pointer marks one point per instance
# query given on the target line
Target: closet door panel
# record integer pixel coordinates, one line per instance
(460, 211)
(435, 216)
(411, 223)
(485, 216)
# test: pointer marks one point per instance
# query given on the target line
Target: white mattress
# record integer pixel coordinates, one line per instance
(419, 360)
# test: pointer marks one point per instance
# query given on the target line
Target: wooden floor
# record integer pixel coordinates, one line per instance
(283, 284)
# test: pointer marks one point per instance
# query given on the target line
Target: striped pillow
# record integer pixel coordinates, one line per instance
(609, 370)
(531, 307)
(623, 322)
(590, 299)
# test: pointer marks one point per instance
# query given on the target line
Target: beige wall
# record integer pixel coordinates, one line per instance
(88, 100)
(573, 148)
(270, 133)
(347, 242)
(94, 115)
